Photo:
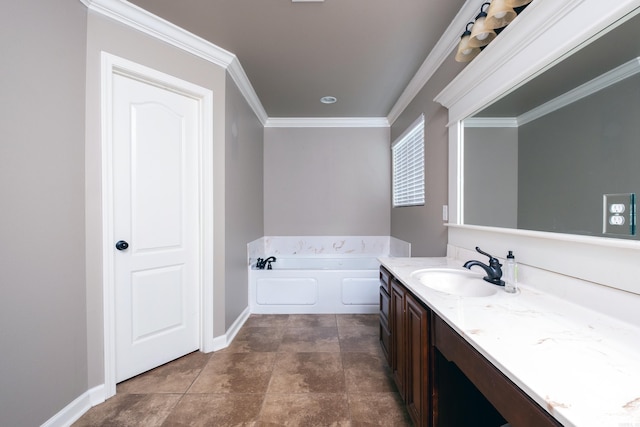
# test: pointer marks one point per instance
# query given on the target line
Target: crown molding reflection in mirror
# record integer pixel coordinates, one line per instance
(491, 122)
(603, 81)
(599, 83)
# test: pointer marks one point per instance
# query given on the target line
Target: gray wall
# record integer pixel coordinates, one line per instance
(243, 197)
(491, 176)
(570, 158)
(326, 181)
(43, 362)
(423, 226)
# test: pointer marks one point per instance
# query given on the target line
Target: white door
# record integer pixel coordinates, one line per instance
(155, 197)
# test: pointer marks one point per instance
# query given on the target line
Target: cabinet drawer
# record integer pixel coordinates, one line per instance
(385, 341)
(385, 280)
(384, 306)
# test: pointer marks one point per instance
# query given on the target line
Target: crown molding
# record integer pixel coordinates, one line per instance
(139, 19)
(603, 81)
(491, 122)
(327, 122)
(440, 52)
(241, 80)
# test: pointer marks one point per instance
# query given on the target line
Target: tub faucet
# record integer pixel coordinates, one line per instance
(269, 261)
(493, 270)
(262, 263)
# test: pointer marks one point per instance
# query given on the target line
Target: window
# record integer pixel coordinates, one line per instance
(408, 166)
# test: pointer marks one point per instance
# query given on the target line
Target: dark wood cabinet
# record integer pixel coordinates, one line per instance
(385, 310)
(410, 351)
(418, 359)
(396, 326)
(443, 380)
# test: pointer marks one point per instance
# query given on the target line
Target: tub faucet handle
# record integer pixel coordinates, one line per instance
(268, 262)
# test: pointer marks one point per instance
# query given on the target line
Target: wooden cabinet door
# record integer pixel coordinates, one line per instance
(385, 313)
(385, 334)
(398, 346)
(417, 355)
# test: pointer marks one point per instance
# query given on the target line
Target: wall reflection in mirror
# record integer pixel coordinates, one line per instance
(542, 157)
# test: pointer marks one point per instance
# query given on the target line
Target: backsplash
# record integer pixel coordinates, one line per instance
(328, 246)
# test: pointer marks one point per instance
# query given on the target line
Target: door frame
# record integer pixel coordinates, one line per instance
(111, 65)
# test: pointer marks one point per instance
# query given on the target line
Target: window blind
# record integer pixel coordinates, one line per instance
(408, 166)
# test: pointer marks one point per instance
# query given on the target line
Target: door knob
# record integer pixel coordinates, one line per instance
(121, 245)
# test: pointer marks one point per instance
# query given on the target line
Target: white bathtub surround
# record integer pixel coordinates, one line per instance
(328, 245)
(319, 274)
(576, 361)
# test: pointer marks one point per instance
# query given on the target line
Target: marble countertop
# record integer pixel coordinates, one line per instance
(579, 364)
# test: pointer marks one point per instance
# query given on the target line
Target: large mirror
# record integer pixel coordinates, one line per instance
(543, 156)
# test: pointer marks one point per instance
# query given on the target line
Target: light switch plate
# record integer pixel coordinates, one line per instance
(619, 214)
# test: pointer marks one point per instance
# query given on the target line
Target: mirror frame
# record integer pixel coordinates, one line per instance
(546, 32)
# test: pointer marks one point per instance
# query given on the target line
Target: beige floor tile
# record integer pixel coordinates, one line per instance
(127, 410)
(205, 410)
(312, 321)
(173, 377)
(352, 339)
(235, 373)
(256, 339)
(367, 323)
(378, 409)
(366, 373)
(310, 339)
(308, 373)
(305, 410)
(267, 321)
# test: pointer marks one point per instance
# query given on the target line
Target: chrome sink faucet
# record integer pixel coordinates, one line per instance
(493, 270)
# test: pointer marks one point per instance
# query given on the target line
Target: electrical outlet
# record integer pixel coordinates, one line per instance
(619, 214)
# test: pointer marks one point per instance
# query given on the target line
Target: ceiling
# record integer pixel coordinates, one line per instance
(363, 52)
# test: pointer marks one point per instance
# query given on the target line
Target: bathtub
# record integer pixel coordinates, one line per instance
(303, 285)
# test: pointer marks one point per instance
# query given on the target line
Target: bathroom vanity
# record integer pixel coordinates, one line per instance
(529, 359)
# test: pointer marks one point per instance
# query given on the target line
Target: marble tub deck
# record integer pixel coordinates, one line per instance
(297, 370)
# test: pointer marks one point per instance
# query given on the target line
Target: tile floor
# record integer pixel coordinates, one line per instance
(280, 370)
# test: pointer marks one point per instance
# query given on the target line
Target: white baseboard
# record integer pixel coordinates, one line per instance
(223, 341)
(74, 410)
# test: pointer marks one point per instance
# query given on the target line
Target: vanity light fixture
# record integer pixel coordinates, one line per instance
(328, 99)
(499, 14)
(481, 34)
(489, 22)
(465, 52)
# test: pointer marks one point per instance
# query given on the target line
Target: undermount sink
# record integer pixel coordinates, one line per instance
(455, 282)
